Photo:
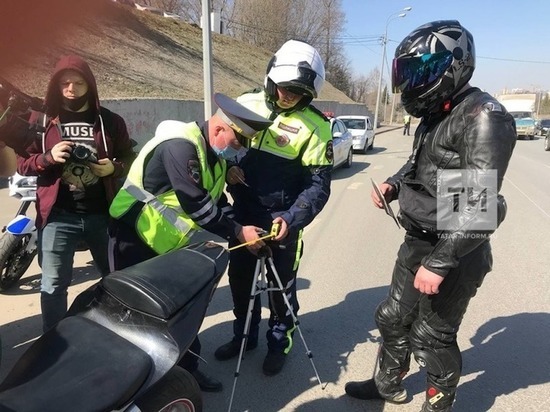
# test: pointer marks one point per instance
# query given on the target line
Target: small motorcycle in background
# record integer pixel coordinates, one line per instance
(18, 242)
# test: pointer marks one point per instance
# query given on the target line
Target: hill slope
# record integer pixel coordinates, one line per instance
(138, 54)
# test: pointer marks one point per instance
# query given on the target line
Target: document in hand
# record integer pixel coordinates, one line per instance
(387, 207)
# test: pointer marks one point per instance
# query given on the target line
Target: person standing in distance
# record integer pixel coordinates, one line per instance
(175, 189)
(406, 124)
(83, 152)
(464, 133)
(284, 178)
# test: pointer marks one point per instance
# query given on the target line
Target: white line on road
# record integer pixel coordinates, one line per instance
(355, 185)
(528, 198)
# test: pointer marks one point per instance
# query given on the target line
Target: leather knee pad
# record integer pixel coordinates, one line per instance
(439, 353)
(386, 314)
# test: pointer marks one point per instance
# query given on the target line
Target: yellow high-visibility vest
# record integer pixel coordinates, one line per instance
(301, 133)
(161, 223)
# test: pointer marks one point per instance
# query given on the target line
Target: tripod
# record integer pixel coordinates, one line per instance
(260, 285)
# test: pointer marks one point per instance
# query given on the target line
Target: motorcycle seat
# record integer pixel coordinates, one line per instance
(77, 366)
(163, 285)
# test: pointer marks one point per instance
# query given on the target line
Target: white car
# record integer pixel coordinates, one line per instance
(362, 131)
(342, 142)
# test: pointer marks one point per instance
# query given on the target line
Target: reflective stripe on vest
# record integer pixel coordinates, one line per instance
(161, 223)
(302, 134)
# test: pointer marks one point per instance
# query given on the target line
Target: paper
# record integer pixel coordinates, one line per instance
(387, 207)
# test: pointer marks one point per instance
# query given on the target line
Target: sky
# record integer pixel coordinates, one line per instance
(512, 39)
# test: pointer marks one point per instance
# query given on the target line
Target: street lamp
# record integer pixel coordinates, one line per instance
(393, 16)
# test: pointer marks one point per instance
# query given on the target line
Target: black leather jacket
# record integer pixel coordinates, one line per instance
(477, 134)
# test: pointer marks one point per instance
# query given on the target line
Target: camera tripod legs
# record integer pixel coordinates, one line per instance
(259, 285)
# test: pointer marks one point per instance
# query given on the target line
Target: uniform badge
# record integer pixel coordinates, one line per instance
(194, 170)
(329, 153)
(282, 140)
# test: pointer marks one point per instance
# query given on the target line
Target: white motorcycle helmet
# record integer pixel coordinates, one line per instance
(297, 67)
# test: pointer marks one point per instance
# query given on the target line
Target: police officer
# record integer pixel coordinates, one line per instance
(283, 178)
(175, 187)
(464, 133)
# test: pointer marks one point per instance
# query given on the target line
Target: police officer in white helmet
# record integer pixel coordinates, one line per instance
(283, 178)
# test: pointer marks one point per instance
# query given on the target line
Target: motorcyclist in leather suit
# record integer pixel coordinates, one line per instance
(464, 133)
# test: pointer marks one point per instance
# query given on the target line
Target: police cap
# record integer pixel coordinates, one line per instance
(244, 121)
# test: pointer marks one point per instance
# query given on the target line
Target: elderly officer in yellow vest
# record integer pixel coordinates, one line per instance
(175, 187)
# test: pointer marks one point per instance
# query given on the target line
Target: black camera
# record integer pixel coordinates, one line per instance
(83, 154)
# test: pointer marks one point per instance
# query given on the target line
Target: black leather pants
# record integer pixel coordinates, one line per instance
(427, 325)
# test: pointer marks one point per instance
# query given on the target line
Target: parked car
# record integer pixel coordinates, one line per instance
(543, 126)
(547, 141)
(525, 128)
(342, 141)
(361, 130)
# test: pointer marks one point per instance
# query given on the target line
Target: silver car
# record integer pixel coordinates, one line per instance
(362, 131)
(342, 142)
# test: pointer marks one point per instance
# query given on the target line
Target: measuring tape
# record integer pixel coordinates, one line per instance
(274, 232)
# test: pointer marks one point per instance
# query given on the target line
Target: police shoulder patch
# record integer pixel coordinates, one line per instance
(329, 153)
(194, 170)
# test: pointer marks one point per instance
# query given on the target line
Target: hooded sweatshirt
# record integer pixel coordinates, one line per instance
(71, 186)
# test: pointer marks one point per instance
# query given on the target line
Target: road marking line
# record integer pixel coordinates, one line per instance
(528, 198)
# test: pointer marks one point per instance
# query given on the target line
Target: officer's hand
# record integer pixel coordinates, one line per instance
(251, 234)
(427, 281)
(283, 231)
(387, 191)
(62, 151)
(103, 167)
(235, 175)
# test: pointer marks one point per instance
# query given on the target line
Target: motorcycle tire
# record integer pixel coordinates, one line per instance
(14, 259)
(177, 391)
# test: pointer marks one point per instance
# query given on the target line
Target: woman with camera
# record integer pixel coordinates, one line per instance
(84, 150)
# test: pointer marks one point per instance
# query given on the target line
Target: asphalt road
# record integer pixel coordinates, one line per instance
(349, 254)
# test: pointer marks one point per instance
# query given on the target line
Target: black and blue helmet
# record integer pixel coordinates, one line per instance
(431, 64)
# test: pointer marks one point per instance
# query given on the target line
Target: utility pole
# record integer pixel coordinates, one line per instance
(207, 59)
(391, 17)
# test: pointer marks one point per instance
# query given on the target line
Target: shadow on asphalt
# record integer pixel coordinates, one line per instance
(331, 334)
(29, 284)
(508, 354)
(344, 173)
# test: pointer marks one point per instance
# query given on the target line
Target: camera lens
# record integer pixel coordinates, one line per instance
(81, 153)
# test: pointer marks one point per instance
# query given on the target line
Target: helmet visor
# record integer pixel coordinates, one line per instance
(296, 79)
(411, 73)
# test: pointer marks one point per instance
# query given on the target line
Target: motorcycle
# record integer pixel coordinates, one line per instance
(18, 242)
(118, 347)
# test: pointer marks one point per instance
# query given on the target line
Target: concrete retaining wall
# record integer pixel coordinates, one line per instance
(143, 115)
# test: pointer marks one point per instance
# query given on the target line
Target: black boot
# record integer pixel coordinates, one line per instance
(438, 399)
(386, 383)
(206, 383)
(367, 390)
(232, 349)
(273, 362)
